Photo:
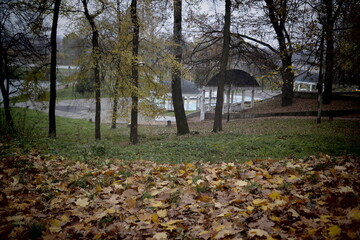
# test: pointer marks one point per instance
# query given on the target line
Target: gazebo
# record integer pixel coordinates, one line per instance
(309, 80)
(236, 81)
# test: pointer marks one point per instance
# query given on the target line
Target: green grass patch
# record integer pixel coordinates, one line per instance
(240, 141)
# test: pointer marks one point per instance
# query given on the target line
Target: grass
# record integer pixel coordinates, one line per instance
(240, 141)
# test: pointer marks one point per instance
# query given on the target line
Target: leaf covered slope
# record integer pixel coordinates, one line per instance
(48, 197)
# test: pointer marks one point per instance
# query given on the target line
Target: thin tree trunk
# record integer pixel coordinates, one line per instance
(320, 80)
(52, 102)
(5, 91)
(115, 105)
(223, 65)
(329, 58)
(181, 121)
(134, 74)
(96, 68)
(117, 81)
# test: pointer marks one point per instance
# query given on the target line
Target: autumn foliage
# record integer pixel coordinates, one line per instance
(49, 197)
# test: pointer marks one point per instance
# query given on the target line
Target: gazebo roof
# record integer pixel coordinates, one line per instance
(236, 78)
(187, 87)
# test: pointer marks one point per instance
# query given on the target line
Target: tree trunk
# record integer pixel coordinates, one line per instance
(115, 105)
(329, 58)
(278, 20)
(7, 110)
(181, 121)
(320, 80)
(287, 75)
(134, 74)
(52, 102)
(223, 65)
(116, 90)
(96, 68)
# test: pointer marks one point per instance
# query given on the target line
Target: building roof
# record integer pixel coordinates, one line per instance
(236, 78)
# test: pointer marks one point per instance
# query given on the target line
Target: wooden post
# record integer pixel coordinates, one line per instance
(202, 108)
(252, 97)
(210, 96)
(243, 99)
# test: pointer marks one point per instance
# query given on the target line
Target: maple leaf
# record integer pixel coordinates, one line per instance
(55, 226)
(354, 214)
(225, 233)
(259, 233)
(334, 230)
(82, 202)
(161, 236)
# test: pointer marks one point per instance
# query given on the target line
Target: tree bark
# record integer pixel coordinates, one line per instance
(117, 81)
(134, 74)
(180, 116)
(329, 56)
(96, 68)
(278, 21)
(52, 102)
(223, 65)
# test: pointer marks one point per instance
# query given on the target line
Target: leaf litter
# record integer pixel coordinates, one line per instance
(48, 197)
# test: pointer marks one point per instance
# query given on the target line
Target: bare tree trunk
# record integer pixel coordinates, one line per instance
(320, 80)
(52, 102)
(181, 121)
(223, 65)
(278, 20)
(134, 74)
(115, 105)
(116, 90)
(96, 67)
(329, 58)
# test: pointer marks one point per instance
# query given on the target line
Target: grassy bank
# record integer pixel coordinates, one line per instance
(240, 141)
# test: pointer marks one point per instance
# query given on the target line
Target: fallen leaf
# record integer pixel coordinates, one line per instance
(225, 233)
(55, 226)
(334, 231)
(82, 202)
(161, 236)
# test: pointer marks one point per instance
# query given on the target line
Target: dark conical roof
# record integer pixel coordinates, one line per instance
(236, 78)
(187, 87)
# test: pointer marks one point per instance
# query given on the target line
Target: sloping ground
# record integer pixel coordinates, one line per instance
(305, 105)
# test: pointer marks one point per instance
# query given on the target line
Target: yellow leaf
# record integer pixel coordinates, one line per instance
(354, 214)
(274, 195)
(294, 213)
(111, 210)
(275, 218)
(334, 230)
(55, 226)
(224, 233)
(241, 183)
(156, 204)
(160, 236)
(250, 208)
(313, 231)
(82, 202)
(258, 202)
(162, 213)
(98, 188)
(259, 233)
(250, 163)
(65, 218)
(155, 218)
(98, 235)
(324, 218)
